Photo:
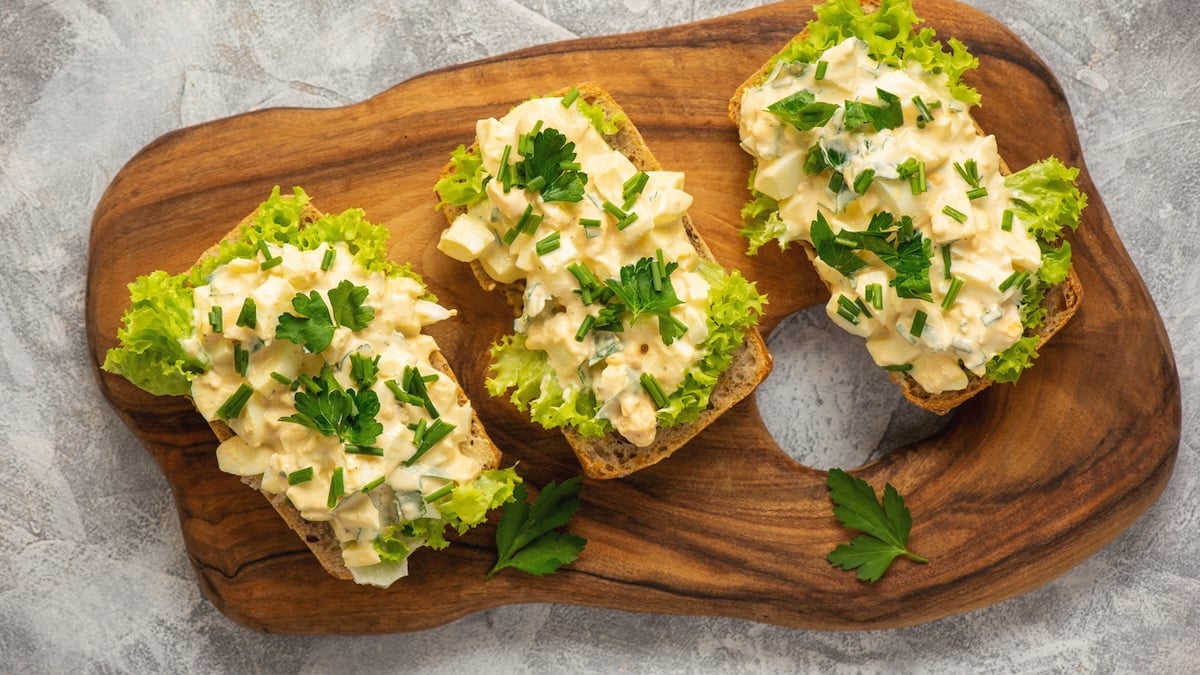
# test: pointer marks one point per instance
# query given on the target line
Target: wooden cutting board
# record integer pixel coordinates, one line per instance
(1021, 485)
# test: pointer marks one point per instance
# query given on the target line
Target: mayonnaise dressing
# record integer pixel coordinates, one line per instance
(377, 491)
(981, 319)
(610, 363)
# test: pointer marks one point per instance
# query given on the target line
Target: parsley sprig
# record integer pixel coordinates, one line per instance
(325, 407)
(895, 242)
(547, 167)
(314, 327)
(526, 537)
(641, 289)
(885, 526)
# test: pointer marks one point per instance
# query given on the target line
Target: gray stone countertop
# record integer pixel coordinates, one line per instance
(93, 573)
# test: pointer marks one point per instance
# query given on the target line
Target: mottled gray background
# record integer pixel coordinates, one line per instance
(93, 574)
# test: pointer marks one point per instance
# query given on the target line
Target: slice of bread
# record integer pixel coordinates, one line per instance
(1061, 301)
(318, 536)
(612, 456)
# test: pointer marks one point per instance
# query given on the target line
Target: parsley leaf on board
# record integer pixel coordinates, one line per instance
(526, 538)
(885, 526)
(551, 168)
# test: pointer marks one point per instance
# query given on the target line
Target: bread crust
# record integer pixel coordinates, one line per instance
(612, 456)
(1060, 302)
(318, 536)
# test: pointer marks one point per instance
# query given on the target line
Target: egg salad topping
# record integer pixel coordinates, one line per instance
(885, 174)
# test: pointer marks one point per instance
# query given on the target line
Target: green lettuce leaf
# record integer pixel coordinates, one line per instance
(891, 37)
(468, 504)
(606, 125)
(151, 353)
(1008, 365)
(1046, 199)
(465, 183)
(761, 222)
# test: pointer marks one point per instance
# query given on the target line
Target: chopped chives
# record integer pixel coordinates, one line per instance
(585, 327)
(537, 126)
(415, 385)
(232, 407)
(281, 378)
(353, 449)
(969, 171)
(327, 261)
(572, 94)
(589, 222)
(918, 324)
(659, 270)
(654, 390)
(863, 307)
(899, 367)
(434, 433)
(633, 187)
(548, 244)
(863, 181)
(946, 262)
(268, 264)
(248, 317)
(955, 213)
(1006, 222)
(836, 182)
(215, 320)
(821, 67)
(628, 220)
(401, 395)
(977, 193)
(536, 184)
(874, 295)
(419, 430)
(300, 476)
(614, 210)
(524, 145)
(1017, 278)
(241, 359)
(848, 310)
(952, 293)
(923, 115)
(505, 179)
(917, 182)
(337, 488)
(373, 484)
(511, 235)
(439, 493)
(845, 239)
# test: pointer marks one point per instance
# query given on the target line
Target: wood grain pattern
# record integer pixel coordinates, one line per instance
(1022, 484)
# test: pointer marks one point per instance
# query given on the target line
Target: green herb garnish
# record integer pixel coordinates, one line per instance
(300, 476)
(325, 407)
(248, 316)
(801, 110)
(885, 526)
(526, 537)
(232, 407)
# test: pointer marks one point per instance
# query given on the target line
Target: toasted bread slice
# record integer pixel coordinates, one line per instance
(612, 456)
(1061, 302)
(318, 536)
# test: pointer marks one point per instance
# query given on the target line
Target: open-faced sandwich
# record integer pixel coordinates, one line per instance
(952, 268)
(629, 336)
(301, 345)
